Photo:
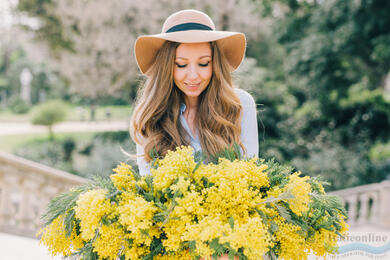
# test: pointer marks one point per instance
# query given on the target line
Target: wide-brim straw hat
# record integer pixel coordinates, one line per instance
(189, 26)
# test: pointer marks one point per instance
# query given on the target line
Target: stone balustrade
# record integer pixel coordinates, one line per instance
(367, 204)
(26, 188)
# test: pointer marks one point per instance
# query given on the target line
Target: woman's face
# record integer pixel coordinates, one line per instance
(193, 69)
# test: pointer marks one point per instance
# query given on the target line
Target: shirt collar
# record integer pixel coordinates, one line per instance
(182, 108)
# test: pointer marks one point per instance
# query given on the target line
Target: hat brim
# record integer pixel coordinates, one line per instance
(232, 44)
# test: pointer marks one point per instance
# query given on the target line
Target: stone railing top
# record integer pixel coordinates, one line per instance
(363, 188)
(30, 166)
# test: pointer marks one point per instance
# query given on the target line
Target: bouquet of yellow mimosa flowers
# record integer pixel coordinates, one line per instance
(188, 209)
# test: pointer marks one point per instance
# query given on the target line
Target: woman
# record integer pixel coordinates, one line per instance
(188, 98)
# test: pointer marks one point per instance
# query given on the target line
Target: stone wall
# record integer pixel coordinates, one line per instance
(367, 204)
(26, 187)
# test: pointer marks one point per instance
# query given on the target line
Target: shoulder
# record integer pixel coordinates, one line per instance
(246, 99)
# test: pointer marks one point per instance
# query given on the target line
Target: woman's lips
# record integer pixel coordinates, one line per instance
(193, 86)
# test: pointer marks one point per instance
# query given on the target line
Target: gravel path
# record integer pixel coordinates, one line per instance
(20, 128)
(22, 248)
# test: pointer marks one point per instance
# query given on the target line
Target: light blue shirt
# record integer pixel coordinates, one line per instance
(249, 131)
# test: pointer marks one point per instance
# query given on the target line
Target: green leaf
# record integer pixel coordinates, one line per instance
(200, 156)
(155, 248)
(231, 222)
(103, 182)
(149, 181)
(273, 227)
(230, 153)
(159, 217)
(192, 245)
(69, 222)
(84, 253)
(62, 203)
(145, 232)
(218, 248)
(262, 215)
(283, 196)
(206, 182)
(136, 175)
(231, 255)
(283, 212)
(196, 166)
(160, 205)
(155, 157)
(272, 255)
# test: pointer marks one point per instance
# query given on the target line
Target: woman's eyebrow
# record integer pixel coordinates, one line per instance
(205, 56)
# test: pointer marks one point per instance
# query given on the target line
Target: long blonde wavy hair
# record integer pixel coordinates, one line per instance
(155, 120)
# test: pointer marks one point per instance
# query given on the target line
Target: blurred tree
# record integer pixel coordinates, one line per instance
(48, 114)
(18, 105)
(92, 40)
(68, 146)
(337, 58)
(15, 55)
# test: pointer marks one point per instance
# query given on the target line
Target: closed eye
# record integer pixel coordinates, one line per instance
(181, 66)
(200, 64)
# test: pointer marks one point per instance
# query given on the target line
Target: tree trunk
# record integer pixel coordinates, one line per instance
(51, 135)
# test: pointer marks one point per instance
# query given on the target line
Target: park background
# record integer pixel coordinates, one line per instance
(319, 71)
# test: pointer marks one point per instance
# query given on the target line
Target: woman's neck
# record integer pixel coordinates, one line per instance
(192, 103)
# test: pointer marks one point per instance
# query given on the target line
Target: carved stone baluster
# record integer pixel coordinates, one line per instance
(385, 203)
(373, 218)
(26, 214)
(352, 210)
(363, 212)
(8, 184)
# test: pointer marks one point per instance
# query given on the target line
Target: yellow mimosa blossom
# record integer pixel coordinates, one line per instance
(324, 239)
(174, 230)
(292, 244)
(77, 241)
(252, 236)
(207, 229)
(344, 225)
(181, 185)
(136, 251)
(186, 213)
(321, 242)
(300, 189)
(109, 241)
(189, 204)
(142, 183)
(123, 179)
(230, 199)
(245, 171)
(176, 163)
(274, 192)
(136, 214)
(203, 250)
(53, 237)
(182, 255)
(321, 188)
(90, 208)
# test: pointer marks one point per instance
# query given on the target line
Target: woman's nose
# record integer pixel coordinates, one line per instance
(193, 72)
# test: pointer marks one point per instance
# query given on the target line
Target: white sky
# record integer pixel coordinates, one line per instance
(7, 19)
(5, 12)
